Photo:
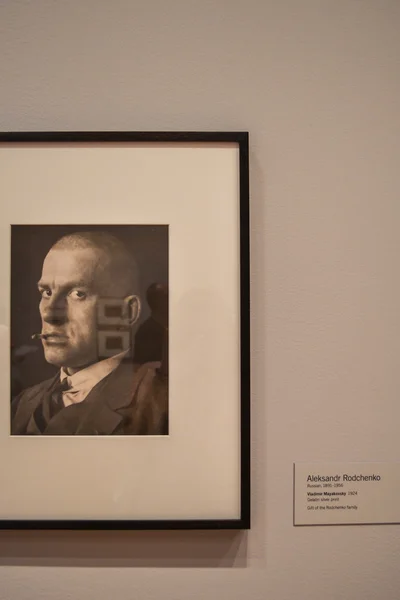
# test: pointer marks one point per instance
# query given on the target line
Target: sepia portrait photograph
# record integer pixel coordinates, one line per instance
(89, 330)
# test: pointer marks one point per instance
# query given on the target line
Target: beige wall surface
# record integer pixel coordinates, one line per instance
(317, 85)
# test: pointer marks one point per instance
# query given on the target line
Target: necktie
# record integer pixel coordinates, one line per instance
(51, 405)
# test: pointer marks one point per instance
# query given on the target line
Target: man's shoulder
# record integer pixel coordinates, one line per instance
(135, 372)
(23, 405)
(37, 389)
(141, 397)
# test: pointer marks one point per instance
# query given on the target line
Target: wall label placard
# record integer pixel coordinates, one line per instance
(346, 493)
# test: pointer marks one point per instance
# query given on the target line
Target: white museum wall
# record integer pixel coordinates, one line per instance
(317, 85)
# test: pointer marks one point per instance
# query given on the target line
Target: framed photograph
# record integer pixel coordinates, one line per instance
(125, 338)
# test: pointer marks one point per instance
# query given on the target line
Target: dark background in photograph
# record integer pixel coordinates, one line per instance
(29, 246)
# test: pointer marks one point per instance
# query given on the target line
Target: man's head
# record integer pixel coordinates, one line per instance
(80, 269)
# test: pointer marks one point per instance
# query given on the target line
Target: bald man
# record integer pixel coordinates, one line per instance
(90, 395)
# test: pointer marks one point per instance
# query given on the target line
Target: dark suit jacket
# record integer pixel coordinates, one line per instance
(131, 400)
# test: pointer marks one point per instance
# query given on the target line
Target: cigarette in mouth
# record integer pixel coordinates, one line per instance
(40, 336)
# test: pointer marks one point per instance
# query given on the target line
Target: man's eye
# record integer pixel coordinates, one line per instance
(45, 293)
(77, 295)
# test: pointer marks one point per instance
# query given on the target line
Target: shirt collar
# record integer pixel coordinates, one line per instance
(87, 378)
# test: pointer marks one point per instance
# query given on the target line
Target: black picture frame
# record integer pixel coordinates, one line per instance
(240, 141)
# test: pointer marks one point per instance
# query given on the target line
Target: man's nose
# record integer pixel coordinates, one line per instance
(54, 310)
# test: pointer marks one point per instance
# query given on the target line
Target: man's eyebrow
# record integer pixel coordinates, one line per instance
(66, 285)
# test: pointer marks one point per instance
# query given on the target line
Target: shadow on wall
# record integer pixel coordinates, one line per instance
(142, 549)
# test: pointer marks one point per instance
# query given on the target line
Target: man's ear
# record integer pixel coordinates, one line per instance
(132, 309)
